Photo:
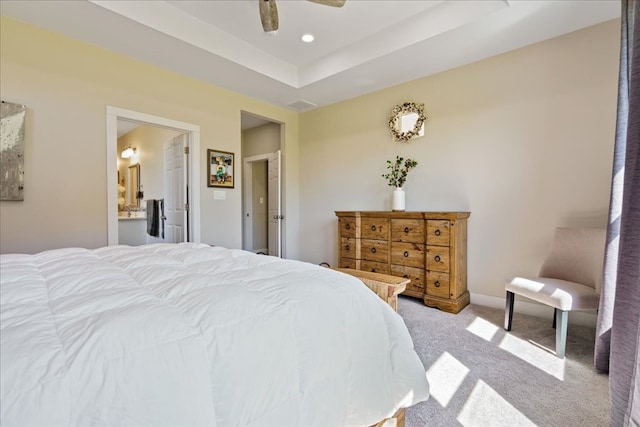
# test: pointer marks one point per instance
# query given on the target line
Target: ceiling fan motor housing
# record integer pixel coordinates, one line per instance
(269, 15)
(269, 12)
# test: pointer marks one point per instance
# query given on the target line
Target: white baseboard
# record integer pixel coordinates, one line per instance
(585, 318)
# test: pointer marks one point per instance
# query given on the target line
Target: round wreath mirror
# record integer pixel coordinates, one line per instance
(407, 121)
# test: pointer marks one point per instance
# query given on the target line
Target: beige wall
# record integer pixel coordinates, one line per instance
(260, 206)
(523, 140)
(66, 86)
(261, 140)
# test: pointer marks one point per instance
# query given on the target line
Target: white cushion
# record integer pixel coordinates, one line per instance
(557, 293)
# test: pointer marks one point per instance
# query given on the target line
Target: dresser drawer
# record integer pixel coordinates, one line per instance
(438, 232)
(415, 274)
(375, 267)
(407, 230)
(438, 258)
(374, 250)
(375, 228)
(348, 248)
(347, 226)
(409, 254)
(438, 284)
(349, 263)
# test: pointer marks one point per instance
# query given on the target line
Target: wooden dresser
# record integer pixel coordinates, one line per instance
(430, 248)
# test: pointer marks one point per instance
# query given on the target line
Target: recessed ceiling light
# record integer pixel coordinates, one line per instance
(307, 38)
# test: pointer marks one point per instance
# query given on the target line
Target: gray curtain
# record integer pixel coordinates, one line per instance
(618, 328)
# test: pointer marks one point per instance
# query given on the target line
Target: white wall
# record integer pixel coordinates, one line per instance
(524, 141)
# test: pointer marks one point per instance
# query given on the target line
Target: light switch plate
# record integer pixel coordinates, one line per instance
(219, 195)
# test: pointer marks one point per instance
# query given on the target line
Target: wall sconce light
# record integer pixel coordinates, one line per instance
(128, 152)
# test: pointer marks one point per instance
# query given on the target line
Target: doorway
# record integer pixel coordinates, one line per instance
(151, 166)
(262, 204)
(191, 170)
(262, 216)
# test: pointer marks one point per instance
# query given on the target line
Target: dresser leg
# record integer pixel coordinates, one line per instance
(449, 305)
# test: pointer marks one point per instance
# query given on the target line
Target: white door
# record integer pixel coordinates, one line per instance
(175, 170)
(275, 208)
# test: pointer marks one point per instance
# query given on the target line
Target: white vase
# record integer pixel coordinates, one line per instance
(397, 201)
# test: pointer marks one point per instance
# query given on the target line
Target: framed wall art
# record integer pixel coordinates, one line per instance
(12, 123)
(220, 165)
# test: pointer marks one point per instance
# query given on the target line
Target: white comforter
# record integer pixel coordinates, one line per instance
(187, 335)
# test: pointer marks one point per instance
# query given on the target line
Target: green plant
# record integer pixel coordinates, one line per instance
(398, 171)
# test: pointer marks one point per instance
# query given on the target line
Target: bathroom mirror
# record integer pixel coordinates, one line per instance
(407, 121)
(133, 185)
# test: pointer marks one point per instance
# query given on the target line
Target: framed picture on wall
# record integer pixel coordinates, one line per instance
(220, 165)
(12, 123)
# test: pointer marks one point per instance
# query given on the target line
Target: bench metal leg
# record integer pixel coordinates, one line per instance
(562, 318)
(508, 311)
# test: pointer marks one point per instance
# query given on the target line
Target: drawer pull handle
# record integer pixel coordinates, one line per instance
(437, 232)
(347, 247)
(437, 284)
(406, 276)
(406, 230)
(373, 270)
(437, 258)
(373, 228)
(406, 254)
(348, 226)
(373, 250)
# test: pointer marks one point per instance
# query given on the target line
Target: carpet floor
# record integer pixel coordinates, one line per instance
(481, 375)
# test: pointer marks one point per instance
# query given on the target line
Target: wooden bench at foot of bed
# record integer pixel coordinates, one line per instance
(385, 286)
(396, 421)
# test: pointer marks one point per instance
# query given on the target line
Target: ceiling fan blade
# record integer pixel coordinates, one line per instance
(334, 3)
(269, 15)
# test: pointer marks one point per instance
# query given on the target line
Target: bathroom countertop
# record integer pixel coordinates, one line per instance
(134, 215)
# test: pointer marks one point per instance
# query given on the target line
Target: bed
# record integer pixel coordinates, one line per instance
(189, 335)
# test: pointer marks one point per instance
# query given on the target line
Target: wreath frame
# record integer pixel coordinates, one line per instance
(397, 112)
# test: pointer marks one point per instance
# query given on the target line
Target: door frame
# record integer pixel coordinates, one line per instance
(247, 179)
(192, 192)
(278, 196)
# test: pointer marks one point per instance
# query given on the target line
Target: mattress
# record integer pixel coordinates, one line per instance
(189, 334)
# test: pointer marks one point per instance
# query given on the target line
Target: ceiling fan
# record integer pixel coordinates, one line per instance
(269, 12)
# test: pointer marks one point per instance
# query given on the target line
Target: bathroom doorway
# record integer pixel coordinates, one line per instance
(151, 206)
(190, 135)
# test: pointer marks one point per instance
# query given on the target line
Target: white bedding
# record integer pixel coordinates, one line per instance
(187, 335)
